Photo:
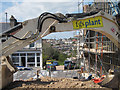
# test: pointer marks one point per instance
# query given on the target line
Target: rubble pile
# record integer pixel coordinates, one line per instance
(49, 82)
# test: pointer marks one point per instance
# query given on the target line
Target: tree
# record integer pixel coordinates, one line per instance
(50, 53)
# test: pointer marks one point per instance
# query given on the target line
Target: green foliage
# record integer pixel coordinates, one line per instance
(73, 42)
(74, 52)
(53, 54)
(62, 57)
(60, 62)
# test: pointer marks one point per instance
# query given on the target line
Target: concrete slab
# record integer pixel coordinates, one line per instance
(24, 75)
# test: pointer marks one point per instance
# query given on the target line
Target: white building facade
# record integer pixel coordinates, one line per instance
(29, 56)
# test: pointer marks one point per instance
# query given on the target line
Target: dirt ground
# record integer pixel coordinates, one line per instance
(48, 82)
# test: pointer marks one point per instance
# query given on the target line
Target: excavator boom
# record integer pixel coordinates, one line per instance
(31, 30)
(35, 29)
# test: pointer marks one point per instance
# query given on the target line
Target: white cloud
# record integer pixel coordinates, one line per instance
(39, 0)
(51, 0)
(27, 10)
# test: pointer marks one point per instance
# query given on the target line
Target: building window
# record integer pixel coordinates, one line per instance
(32, 45)
(31, 54)
(31, 59)
(23, 54)
(15, 54)
(38, 54)
(15, 59)
(38, 59)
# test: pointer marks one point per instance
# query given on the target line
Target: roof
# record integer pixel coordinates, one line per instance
(74, 40)
(4, 26)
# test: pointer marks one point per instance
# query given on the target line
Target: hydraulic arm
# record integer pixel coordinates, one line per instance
(31, 30)
(34, 29)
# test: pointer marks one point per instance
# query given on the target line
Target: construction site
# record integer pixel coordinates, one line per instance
(98, 49)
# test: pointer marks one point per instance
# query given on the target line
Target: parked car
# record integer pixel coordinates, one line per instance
(68, 65)
(55, 63)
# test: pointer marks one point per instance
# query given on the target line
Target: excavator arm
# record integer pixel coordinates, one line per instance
(31, 30)
(37, 28)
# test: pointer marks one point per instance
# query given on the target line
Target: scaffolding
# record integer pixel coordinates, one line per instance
(98, 50)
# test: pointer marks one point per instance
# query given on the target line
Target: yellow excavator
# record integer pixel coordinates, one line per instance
(31, 30)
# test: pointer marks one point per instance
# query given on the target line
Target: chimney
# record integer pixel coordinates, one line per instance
(13, 21)
(85, 8)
